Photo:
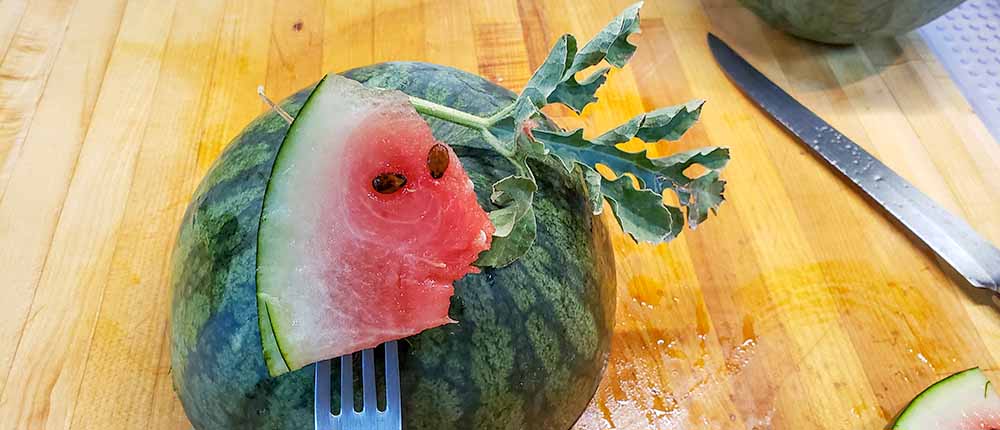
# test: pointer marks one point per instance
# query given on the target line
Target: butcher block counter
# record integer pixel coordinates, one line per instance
(799, 306)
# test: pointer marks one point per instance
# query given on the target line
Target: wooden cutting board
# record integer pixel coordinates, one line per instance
(799, 306)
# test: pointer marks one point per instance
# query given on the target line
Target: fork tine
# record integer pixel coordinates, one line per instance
(392, 402)
(370, 418)
(321, 411)
(346, 385)
(368, 380)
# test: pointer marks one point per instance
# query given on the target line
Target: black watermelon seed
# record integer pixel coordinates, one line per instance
(388, 183)
(437, 160)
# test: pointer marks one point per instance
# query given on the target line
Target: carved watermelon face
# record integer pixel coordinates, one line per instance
(367, 221)
(532, 338)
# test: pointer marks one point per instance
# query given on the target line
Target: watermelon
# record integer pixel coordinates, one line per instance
(367, 221)
(531, 340)
(963, 401)
(848, 21)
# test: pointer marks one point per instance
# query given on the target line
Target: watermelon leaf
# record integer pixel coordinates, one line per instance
(545, 80)
(514, 221)
(512, 132)
(641, 213)
(578, 95)
(705, 194)
(667, 123)
(555, 80)
(698, 195)
(611, 43)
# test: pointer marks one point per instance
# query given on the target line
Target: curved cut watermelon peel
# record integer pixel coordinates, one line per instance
(966, 400)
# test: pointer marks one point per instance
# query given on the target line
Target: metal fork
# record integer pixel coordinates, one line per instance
(370, 418)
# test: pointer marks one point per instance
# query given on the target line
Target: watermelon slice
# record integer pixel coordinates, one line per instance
(367, 220)
(963, 401)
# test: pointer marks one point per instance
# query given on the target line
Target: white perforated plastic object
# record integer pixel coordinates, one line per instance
(967, 42)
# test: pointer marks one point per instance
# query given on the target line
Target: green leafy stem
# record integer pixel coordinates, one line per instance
(640, 210)
(456, 116)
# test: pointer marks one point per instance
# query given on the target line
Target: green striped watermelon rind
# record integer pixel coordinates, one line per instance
(844, 22)
(276, 361)
(532, 338)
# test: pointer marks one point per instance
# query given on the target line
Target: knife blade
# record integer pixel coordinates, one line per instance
(947, 235)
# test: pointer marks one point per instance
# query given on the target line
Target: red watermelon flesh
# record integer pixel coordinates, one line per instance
(342, 266)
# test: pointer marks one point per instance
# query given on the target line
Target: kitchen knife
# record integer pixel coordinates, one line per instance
(949, 236)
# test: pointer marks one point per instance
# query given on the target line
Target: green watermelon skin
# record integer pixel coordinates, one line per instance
(849, 21)
(532, 339)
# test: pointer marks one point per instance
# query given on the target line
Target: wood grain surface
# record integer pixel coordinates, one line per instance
(799, 307)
